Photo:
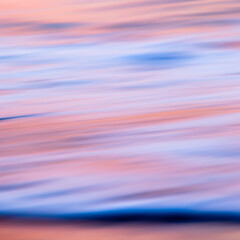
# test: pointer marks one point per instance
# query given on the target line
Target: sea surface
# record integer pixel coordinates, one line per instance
(126, 110)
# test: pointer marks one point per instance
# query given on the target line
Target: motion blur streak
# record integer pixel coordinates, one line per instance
(124, 110)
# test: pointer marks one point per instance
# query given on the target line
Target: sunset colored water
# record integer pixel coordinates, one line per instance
(121, 108)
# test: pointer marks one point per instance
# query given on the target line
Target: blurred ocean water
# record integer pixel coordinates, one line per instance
(115, 107)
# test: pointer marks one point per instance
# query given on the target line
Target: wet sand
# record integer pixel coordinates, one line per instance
(17, 231)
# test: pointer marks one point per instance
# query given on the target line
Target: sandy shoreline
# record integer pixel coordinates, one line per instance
(19, 231)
